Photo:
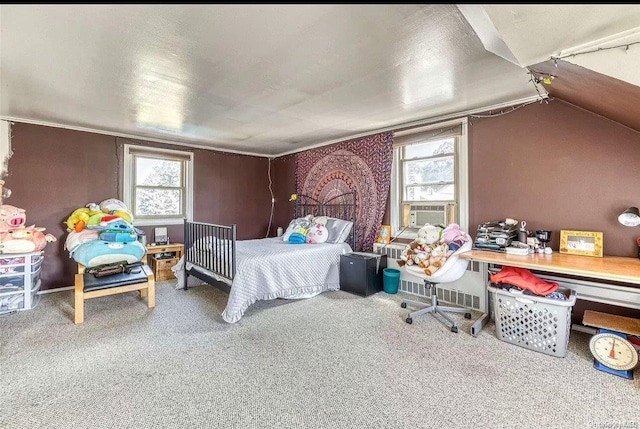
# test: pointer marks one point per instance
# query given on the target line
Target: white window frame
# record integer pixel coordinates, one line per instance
(128, 183)
(461, 180)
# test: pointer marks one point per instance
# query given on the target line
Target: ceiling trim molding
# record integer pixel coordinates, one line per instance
(421, 123)
(403, 126)
(129, 136)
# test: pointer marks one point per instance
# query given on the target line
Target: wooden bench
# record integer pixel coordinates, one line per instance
(88, 286)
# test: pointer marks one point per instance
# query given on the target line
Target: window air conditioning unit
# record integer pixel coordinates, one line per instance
(432, 214)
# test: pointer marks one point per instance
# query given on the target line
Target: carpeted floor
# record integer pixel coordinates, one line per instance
(333, 361)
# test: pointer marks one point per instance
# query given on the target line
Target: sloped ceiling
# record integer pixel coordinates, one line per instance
(275, 79)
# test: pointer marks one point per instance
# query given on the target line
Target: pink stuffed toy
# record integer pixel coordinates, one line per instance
(24, 240)
(317, 234)
(11, 217)
(453, 236)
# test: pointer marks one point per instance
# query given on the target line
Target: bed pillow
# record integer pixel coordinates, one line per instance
(337, 229)
(301, 222)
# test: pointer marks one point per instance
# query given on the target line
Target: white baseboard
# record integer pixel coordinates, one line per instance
(58, 289)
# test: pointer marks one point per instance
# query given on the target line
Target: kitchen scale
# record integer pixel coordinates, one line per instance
(612, 352)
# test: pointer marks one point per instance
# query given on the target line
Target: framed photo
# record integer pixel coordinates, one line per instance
(585, 243)
(384, 234)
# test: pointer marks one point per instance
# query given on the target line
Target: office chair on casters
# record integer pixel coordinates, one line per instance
(453, 269)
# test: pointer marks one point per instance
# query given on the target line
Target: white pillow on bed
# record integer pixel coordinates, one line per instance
(338, 229)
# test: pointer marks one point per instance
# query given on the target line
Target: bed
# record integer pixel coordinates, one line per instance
(268, 268)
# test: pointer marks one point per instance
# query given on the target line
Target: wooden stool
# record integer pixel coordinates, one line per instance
(88, 286)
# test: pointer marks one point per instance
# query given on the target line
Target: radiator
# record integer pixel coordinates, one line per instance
(469, 291)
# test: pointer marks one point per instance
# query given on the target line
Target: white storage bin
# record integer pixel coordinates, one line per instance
(533, 322)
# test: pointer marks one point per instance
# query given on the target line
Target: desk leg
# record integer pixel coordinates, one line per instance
(484, 319)
(479, 324)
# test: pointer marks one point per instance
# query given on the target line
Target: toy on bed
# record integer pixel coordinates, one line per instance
(103, 234)
(432, 247)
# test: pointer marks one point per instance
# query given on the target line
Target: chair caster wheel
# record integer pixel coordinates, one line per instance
(467, 315)
(454, 329)
(403, 305)
(409, 320)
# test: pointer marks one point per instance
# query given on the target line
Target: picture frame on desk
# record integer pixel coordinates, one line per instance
(384, 234)
(584, 243)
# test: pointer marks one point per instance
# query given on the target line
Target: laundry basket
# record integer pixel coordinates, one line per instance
(533, 322)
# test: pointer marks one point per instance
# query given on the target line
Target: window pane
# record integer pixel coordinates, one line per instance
(428, 171)
(156, 202)
(431, 193)
(158, 172)
(431, 148)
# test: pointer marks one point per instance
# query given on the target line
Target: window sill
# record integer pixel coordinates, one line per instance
(158, 221)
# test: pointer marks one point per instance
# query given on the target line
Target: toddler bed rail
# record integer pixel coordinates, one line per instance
(211, 247)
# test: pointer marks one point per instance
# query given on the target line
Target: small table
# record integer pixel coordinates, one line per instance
(167, 256)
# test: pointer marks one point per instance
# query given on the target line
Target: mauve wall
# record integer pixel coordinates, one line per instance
(53, 171)
(556, 167)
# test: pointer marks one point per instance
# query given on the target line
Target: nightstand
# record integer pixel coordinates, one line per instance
(163, 257)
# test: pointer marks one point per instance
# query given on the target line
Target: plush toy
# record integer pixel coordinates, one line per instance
(318, 233)
(75, 239)
(302, 223)
(11, 217)
(298, 235)
(78, 219)
(117, 230)
(429, 233)
(99, 252)
(454, 237)
(112, 204)
(24, 240)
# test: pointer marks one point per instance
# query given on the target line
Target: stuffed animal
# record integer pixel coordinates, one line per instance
(24, 240)
(117, 230)
(11, 217)
(429, 233)
(99, 252)
(112, 204)
(318, 233)
(75, 239)
(454, 237)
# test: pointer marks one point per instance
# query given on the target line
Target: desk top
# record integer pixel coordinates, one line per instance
(614, 268)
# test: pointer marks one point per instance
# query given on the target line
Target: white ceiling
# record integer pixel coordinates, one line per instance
(273, 79)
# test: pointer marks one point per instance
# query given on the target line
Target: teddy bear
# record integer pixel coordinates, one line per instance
(429, 233)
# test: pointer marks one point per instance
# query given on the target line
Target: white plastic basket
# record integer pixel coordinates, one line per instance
(534, 322)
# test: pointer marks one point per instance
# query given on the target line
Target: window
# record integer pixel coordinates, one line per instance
(429, 177)
(158, 185)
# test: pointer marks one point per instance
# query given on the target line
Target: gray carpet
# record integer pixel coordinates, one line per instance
(332, 361)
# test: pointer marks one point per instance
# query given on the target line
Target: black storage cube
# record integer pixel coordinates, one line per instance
(361, 274)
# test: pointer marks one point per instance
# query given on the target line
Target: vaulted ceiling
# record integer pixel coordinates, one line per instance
(274, 79)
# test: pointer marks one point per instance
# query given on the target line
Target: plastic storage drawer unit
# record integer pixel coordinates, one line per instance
(361, 273)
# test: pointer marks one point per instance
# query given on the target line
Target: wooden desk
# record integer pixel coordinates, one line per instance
(613, 268)
(610, 268)
(162, 266)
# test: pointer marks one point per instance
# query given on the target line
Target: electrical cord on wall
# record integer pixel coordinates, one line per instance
(273, 200)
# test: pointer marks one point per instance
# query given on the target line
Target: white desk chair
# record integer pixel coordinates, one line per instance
(453, 269)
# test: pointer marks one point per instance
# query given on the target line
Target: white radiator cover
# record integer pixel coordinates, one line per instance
(469, 291)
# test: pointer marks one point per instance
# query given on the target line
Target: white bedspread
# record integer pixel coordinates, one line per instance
(271, 268)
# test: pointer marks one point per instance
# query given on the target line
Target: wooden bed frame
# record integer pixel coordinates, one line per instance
(221, 262)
